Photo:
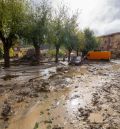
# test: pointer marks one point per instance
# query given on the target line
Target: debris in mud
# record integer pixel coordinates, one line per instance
(33, 95)
(61, 69)
(32, 79)
(75, 97)
(96, 126)
(84, 113)
(95, 99)
(44, 84)
(61, 82)
(1, 90)
(32, 89)
(6, 111)
(48, 121)
(57, 127)
(44, 87)
(76, 87)
(24, 92)
(20, 99)
(53, 76)
(9, 77)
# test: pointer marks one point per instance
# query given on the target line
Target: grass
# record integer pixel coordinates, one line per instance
(36, 125)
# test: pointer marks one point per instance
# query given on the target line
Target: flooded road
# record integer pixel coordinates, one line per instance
(63, 97)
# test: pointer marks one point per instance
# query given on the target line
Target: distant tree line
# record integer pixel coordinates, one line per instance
(42, 24)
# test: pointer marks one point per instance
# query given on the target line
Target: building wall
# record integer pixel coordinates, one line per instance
(111, 43)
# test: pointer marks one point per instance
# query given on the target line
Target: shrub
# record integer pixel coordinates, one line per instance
(52, 53)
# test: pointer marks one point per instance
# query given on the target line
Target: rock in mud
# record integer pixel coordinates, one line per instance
(40, 86)
(20, 99)
(9, 77)
(76, 87)
(57, 127)
(6, 110)
(84, 113)
(44, 84)
(61, 69)
(2, 91)
(95, 126)
(24, 92)
(53, 76)
(95, 99)
(33, 95)
(44, 87)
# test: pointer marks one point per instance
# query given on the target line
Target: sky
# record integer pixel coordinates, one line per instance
(102, 16)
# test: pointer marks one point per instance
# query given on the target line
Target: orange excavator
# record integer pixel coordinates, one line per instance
(91, 55)
(99, 55)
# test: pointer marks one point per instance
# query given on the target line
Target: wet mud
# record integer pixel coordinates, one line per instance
(61, 97)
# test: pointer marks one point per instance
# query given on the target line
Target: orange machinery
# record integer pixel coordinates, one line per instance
(99, 55)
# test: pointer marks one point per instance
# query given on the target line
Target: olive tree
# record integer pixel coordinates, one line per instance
(56, 30)
(80, 40)
(12, 14)
(91, 42)
(70, 33)
(37, 28)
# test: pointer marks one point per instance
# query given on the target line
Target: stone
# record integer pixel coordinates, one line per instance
(6, 110)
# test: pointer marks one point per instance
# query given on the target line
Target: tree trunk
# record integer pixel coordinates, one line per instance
(37, 53)
(56, 56)
(6, 55)
(77, 52)
(69, 55)
(7, 43)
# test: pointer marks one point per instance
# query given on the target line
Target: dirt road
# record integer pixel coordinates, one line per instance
(62, 97)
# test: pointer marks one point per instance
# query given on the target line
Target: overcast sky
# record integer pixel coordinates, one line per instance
(103, 16)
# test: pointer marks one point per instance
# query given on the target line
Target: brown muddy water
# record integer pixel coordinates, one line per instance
(80, 97)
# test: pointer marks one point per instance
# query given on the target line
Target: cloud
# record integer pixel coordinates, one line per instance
(103, 16)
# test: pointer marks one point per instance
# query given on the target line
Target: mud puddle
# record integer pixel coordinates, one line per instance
(22, 74)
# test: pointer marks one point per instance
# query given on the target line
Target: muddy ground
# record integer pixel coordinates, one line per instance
(61, 97)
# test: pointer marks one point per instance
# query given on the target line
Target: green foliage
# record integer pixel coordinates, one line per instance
(40, 24)
(12, 15)
(91, 42)
(71, 39)
(37, 28)
(36, 125)
(56, 28)
(52, 53)
(80, 40)
(12, 21)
